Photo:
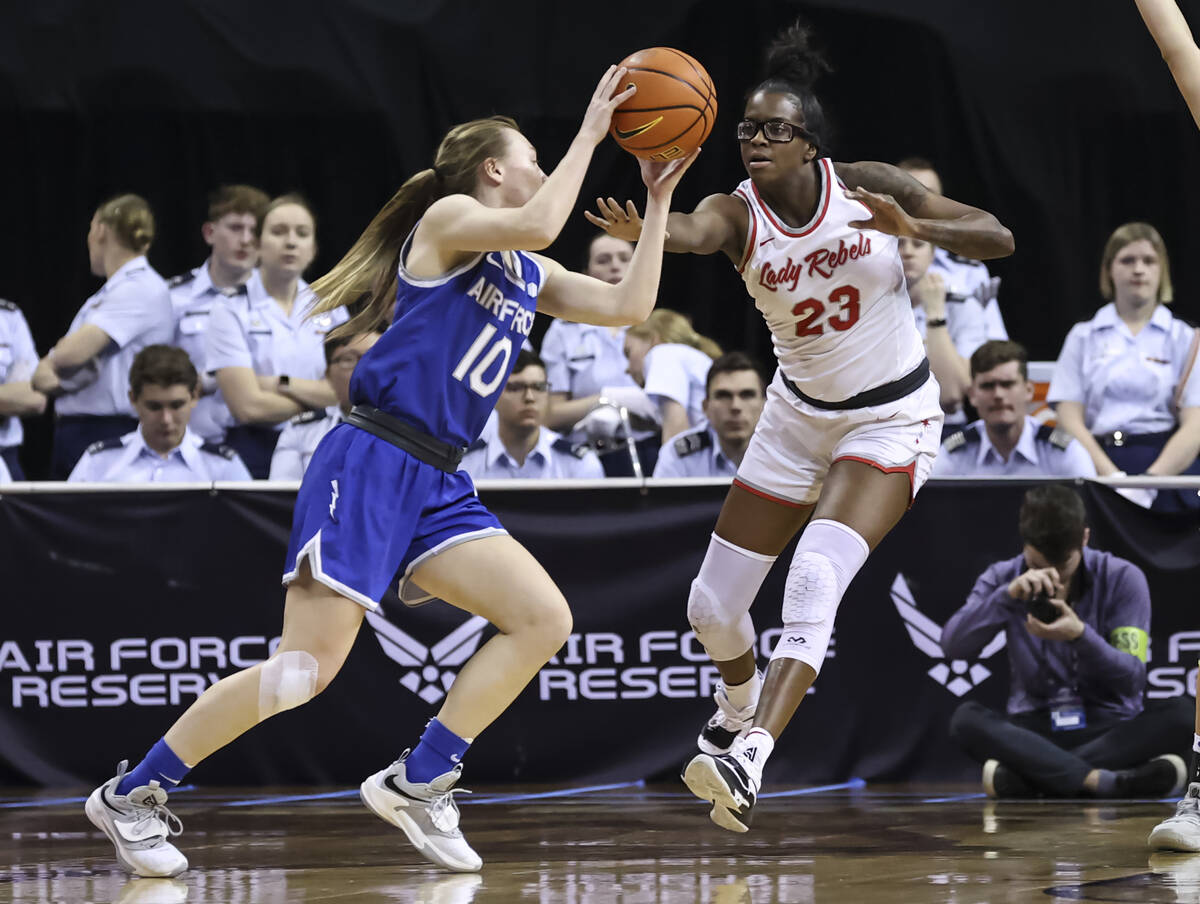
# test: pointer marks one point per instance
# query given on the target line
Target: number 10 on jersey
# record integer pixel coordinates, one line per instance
(477, 363)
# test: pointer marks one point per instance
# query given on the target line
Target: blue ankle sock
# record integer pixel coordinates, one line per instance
(438, 751)
(161, 765)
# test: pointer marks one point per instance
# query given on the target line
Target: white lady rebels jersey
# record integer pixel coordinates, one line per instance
(833, 296)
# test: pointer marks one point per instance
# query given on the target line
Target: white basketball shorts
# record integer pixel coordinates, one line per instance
(795, 444)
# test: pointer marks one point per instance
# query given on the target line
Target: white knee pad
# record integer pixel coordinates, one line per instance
(719, 603)
(827, 558)
(285, 681)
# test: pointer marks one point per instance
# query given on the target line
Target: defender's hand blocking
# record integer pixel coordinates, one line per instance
(619, 222)
(661, 178)
(598, 118)
(887, 215)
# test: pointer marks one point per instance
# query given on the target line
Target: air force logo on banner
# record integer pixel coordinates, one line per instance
(926, 636)
(428, 669)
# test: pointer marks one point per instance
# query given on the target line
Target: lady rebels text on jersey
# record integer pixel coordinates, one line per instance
(833, 295)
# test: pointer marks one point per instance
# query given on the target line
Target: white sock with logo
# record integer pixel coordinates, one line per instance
(745, 694)
(752, 750)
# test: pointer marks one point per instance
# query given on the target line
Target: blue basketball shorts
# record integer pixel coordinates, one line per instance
(368, 511)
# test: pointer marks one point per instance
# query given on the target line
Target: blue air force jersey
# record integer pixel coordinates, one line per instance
(453, 341)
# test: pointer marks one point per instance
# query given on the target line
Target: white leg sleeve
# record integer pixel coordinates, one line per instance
(719, 603)
(827, 558)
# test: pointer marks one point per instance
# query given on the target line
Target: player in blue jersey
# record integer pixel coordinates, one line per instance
(447, 262)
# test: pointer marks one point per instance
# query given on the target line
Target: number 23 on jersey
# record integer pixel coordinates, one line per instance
(842, 308)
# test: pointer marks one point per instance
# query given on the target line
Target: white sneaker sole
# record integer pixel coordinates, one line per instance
(95, 811)
(703, 780)
(1168, 837)
(380, 802)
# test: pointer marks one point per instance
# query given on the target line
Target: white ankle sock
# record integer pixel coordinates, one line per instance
(745, 694)
(753, 748)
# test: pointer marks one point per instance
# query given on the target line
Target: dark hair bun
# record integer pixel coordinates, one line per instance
(792, 59)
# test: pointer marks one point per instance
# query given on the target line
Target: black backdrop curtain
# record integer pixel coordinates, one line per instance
(1059, 117)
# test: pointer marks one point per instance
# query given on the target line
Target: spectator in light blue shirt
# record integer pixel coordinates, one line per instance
(231, 231)
(733, 403)
(1006, 441)
(163, 389)
(87, 371)
(1124, 384)
(520, 446)
(267, 354)
(18, 398)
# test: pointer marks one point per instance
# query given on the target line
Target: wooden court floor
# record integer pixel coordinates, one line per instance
(631, 844)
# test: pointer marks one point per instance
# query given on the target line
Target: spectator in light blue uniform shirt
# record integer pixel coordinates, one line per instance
(1125, 384)
(303, 433)
(670, 361)
(520, 446)
(951, 325)
(1006, 441)
(733, 402)
(231, 231)
(87, 371)
(163, 389)
(268, 358)
(18, 398)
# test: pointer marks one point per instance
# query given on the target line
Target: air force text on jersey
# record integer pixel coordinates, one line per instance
(489, 296)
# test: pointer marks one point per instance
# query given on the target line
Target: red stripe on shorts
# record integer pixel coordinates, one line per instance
(788, 502)
(910, 469)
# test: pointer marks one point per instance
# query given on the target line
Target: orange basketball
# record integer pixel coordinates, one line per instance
(673, 110)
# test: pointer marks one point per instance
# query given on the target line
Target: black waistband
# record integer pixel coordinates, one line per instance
(880, 395)
(1121, 438)
(419, 445)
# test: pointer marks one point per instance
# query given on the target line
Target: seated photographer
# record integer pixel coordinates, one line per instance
(1077, 622)
(1006, 441)
(733, 402)
(519, 445)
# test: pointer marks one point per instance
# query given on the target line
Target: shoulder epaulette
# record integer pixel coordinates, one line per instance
(101, 445)
(480, 443)
(963, 439)
(221, 449)
(1055, 436)
(181, 280)
(564, 445)
(690, 443)
(8, 305)
(958, 258)
(307, 417)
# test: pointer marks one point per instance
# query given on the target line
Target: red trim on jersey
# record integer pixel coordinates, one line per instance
(752, 233)
(910, 469)
(788, 502)
(826, 191)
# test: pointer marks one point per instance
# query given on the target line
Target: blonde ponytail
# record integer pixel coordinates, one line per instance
(665, 325)
(370, 268)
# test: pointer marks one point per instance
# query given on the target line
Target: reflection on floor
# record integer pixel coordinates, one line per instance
(617, 843)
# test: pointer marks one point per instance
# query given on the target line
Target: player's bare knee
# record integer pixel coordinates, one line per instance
(288, 679)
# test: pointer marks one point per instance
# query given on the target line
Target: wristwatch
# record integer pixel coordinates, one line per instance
(940, 321)
(285, 380)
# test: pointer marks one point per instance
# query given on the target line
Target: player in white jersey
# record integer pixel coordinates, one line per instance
(852, 422)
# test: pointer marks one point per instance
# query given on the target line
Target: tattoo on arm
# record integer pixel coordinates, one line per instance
(883, 178)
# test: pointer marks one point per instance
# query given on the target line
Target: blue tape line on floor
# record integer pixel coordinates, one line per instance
(853, 784)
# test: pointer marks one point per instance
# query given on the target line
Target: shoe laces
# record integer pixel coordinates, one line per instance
(152, 808)
(443, 810)
(1189, 805)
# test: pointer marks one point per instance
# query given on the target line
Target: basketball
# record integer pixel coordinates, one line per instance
(673, 110)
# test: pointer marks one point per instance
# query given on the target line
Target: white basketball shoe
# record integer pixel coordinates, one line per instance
(726, 725)
(425, 811)
(1180, 832)
(139, 826)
